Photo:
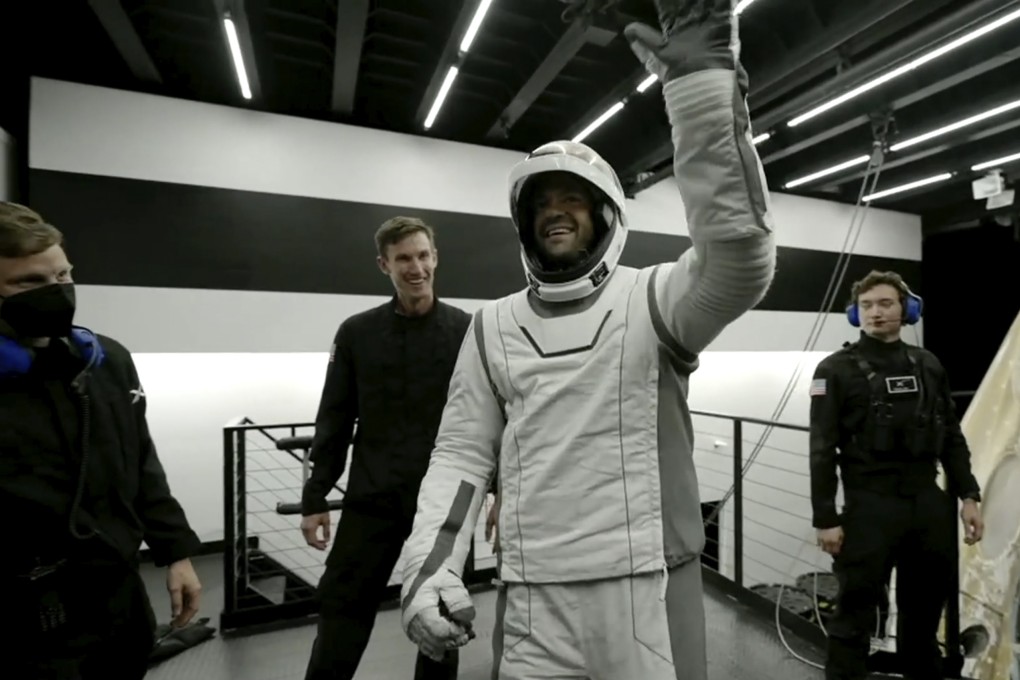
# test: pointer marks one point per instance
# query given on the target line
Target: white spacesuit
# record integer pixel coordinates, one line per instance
(576, 389)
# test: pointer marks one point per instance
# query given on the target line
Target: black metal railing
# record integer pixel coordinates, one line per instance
(755, 492)
(762, 521)
(270, 574)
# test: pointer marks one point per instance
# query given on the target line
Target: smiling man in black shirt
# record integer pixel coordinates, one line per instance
(389, 371)
(882, 414)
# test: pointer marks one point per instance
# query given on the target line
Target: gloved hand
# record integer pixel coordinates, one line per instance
(439, 615)
(695, 35)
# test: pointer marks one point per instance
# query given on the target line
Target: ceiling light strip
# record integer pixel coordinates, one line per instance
(966, 122)
(908, 187)
(235, 53)
(1005, 160)
(906, 68)
(465, 44)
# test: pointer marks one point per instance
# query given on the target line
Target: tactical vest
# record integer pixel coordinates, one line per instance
(924, 436)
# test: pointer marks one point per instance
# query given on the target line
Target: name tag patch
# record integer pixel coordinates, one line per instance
(905, 384)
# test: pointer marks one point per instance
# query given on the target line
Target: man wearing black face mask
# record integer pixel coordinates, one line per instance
(81, 485)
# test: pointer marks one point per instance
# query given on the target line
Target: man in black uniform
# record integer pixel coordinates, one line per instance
(881, 412)
(389, 370)
(81, 485)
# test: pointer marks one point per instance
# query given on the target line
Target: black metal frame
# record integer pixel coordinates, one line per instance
(805, 629)
(241, 551)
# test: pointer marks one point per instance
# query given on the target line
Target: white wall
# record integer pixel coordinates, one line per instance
(8, 166)
(208, 356)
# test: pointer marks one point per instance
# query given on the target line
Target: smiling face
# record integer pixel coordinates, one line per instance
(562, 211)
(411, 264)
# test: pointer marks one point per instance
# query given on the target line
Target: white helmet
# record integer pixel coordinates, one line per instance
(608, 215)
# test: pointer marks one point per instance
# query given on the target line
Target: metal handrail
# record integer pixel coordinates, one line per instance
(753, 421)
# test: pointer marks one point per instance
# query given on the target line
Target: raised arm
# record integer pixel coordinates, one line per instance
(732, 262)
(463, 463)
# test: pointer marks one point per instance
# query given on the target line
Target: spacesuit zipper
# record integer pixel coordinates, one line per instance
(665, 582)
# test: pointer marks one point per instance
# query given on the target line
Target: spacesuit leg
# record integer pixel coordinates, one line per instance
(646, 626)
(537, 633)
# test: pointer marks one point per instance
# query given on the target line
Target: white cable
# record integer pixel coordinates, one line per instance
(835, 281)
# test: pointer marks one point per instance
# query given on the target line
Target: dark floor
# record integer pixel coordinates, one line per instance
(741, 646)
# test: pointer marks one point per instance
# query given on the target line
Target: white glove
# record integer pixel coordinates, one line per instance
(438, 615)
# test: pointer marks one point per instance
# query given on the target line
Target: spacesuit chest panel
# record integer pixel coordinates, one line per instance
(580, 444)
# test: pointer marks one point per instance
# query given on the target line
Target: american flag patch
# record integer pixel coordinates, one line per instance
(818, 387)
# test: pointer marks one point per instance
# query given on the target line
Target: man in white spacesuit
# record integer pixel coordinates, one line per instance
(575, 389)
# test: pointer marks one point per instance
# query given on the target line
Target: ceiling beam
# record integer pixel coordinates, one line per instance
(882, 62)
(924, 93)
(623, 90)
(863, 72)
(351, 19)
(236, 10)
(118, 26)
(819, 55)
(450, 56)
(955, 141)
(959, 163)
(581, 31)
(782, 75)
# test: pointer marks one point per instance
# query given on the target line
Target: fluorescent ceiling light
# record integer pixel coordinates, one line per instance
(741, 6)
(1005, 160)
(476, 23)
(647, 83)
(444, 89)
(853, 162)
(235, 52)
(906, 68)
(966, 122)
(763, 137)
(610, 112)
(907, 187)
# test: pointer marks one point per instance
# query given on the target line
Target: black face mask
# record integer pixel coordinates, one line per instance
(44, 312)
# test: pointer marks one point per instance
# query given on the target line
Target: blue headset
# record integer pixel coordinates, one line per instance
(912, 309)
(16, 359)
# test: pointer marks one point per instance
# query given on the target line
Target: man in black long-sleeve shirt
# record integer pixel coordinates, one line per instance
(389, 371)
(81, 484)
(881, 412)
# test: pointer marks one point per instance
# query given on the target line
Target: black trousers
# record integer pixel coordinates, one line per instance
(915, 534)
(364, 553)
(107, 631)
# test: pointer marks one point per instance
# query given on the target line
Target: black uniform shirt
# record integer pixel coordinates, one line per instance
(390, 373)
(125, 498)
(841, 397)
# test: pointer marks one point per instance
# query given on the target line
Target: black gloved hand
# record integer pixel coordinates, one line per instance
(695, 35)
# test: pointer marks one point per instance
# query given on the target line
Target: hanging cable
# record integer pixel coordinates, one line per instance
(831, 291)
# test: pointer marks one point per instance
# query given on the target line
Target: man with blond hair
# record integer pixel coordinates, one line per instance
(79, 479)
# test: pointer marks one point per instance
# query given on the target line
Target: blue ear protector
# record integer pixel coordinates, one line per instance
(912, 312)
(16, 359)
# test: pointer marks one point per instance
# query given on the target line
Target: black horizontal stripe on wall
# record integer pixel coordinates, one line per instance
(127, 232)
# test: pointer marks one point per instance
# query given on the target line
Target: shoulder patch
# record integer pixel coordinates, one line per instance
(818, 387)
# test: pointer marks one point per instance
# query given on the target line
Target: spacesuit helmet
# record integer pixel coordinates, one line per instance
(581, 273)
